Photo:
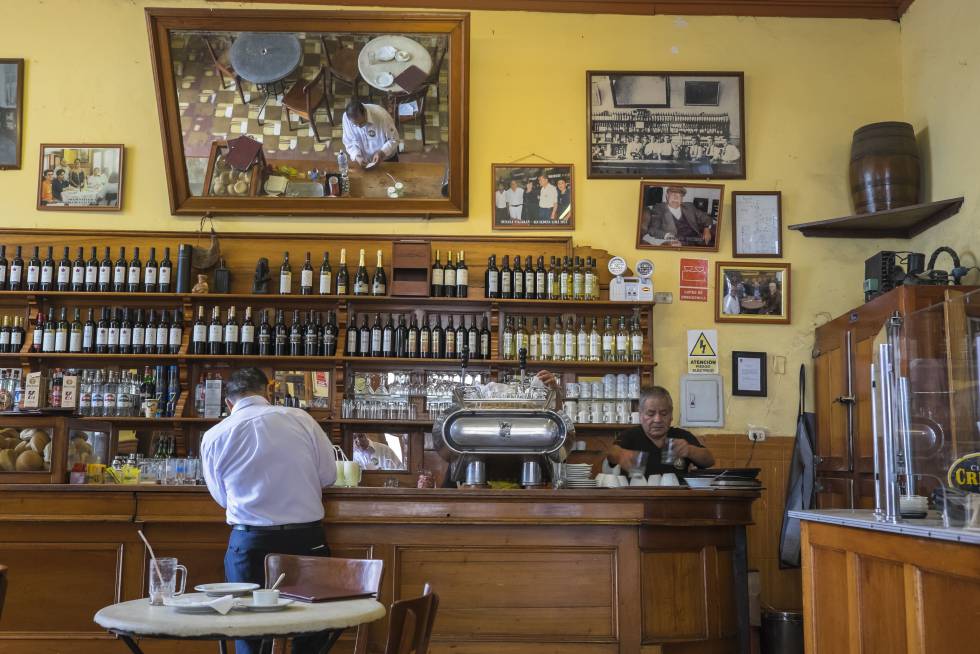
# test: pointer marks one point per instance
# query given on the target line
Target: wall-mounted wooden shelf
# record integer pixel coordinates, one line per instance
(893, 223)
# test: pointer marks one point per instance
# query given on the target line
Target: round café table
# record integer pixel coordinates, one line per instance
(266, 59)
(371, 67)
(137, 619)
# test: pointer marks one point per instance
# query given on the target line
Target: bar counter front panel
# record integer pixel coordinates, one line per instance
(541, 571)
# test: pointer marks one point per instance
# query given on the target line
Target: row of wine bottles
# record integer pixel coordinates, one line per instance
(562, 280)
(428, 340)
(12, 334)
(309, 336)
(327, 284)
(123, 393)
(93, 275)
(566, 343)
(118, 331)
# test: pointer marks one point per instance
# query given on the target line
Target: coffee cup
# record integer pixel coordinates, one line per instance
(623, 481)
(654, 480)
(572, 390)
(669, 479)
(265, 597)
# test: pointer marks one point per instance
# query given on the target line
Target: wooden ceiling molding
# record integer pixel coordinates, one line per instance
(875, 9)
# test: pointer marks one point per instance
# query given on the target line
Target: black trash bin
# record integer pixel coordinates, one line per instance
(782, 632)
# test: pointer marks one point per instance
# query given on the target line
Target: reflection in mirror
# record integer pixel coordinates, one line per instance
(310, 105)
(382, 451)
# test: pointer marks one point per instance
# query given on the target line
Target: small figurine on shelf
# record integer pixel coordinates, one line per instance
(201, 286)
(260, 285)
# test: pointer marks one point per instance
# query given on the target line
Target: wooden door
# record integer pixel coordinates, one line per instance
(834, 493)
(833, 403)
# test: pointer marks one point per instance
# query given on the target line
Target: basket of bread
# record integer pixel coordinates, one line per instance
(27, 450)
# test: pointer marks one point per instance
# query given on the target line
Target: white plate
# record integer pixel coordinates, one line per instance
(247, 605)
(699, 482)
(384, 80)
(217, 590)
(401, 55)
(386, 53)
(189, 604)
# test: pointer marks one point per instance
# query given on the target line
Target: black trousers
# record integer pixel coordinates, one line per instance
(245, 562)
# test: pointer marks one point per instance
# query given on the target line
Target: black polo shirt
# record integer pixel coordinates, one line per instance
(636, 439)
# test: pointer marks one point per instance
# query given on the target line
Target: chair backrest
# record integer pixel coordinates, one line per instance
(214, 55)
(315, 96)
(3, 586)
(440, 55)
(358, 575)
(410, 624)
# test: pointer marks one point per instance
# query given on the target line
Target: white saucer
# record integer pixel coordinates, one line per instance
(217, 590)
(386, 53)
(247, 605)
(384, 80)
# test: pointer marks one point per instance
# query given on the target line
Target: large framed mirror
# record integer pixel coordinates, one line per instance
(318, 113)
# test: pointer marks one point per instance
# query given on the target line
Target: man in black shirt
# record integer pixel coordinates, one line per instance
(656, 415)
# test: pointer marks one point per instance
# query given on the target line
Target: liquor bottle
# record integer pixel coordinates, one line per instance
(89, 333)
(165, 272)
(5, 335)
(461, 343)
(215, 333)
(401, 338)
(306, 277)
(113, 335)
(507, 342)
(449, 277)
(388, 338)
(450, 338)
(119, 272)
(506, 279)
(376, 335)
(379, 285)
(199, 333)
(473, 339)
(150, 333)
(16, 275)
(636, 341)
(518, 283)
(326, 275)
(412, 346)
(285, 276)
(33, 271)
(295, 336)
(462, 277)
(438, 340)
(590, 280)
(266, 336)
(75, 333)
(564, 280)
(608, 340)
(352, 336)
(3, 267)
(569, 352)
(361, 280)
(248, 334)
(176, 335)
(582, 341)
(310, 336)
(578, 280)
(37, 335)
(330, 335)
(554, 285)
(280, 336)
(534, 341)
(438, 278)
(622, 341)
(17, 334)
(425, 339)
(484, 339)
(557, 339)
(491, 282)
(109, 389)
(134, 272)
(63, 278)
(231, 333)
(540, 280)
(104, 284)
(92, 272)
(151, 273)
(47, 271)
(530, 278)
(364, 338)
(125, 333)
(102, 333)
(343, 277)
(595, 341)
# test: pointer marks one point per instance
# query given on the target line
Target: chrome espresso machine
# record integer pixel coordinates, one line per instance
(511, 435)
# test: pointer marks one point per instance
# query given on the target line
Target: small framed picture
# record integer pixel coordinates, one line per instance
(533, 196)
(80, 178)
(752, 292)
(757, 224)
(11, 112)
(749, 374)
(679, 217)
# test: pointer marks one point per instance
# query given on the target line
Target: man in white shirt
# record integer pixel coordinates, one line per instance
(547, 200)
(266, 466)
(515, 200)
(370, 135)
(731, 306)
(500, 203)
(374, 455)
(634, 148)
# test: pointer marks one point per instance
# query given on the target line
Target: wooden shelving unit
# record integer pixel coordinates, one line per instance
(905, 222)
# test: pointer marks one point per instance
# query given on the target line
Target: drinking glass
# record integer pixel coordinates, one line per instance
(163, 579)
(668, 455)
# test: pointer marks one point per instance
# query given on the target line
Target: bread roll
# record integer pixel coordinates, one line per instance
(7, 460)
(39, 440)
(28, 434)
(29, 461)
(9, 432)
(8, 442)
(21, 446)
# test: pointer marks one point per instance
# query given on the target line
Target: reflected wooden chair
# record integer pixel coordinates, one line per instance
(223, 67)
(305, 98)
(342, 64)
(433, 79)
(3, 587)
(354, 575)
(417, 100)
(410, 624)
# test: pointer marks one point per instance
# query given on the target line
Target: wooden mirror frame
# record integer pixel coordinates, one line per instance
(456, 26)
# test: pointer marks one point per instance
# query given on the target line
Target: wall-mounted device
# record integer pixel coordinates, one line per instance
(631, 289)
(884, 271)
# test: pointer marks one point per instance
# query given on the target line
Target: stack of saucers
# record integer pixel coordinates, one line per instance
(579, 475)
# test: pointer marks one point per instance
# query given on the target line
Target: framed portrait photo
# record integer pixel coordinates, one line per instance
(76, 177)
(11, 112)
(753, 292)
(666, 124)
(533, 196)
(757, 224)
(679, 216)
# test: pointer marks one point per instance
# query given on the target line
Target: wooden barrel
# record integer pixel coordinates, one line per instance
(885, 168)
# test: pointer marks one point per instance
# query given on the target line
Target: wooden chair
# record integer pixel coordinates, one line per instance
(342, 64)
(304, 98)
(410, 624)
(433, 78)
(356, 575)
(223, 67)
(3, 586)
(418, 96)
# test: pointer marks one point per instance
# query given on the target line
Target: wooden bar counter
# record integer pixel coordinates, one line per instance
(629, 570)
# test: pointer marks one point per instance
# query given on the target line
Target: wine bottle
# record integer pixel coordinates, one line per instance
(102, 333)
(37, 335)
(176, 335)
(589, 275)
(113, 338)
(462, 277)
(388, 338)
(361, 281)
(151, 272)
(582, 345)
(518, 278)
(352, 337)
(16, 271)
(295, 336)
(105, 271)
(364, 338)
(636, 341)
(578, 280)
(150, 333)
(165, 272)
(379, 285)
(125, 332)
(484, 339)
(425, 339)
(231, 332)
(622, 340)
(4, 277)
(33, 271)
(326, 275)
(450, 337)
(138, 338)
(76, 333)
(412, 346)
(522, 336)
(17, 334)
(343, 280)
(285, 276)
(473, 339)
(135, 272)
(438, 340)
(248, 333)
(608, 340)
(553, 281)
(401, 338)
(506, 279)
(534, 341)
(595, 341)
(436, 288)
(491, 283)
(215, 333)
(199, 333)
(306, 277)
(78, 271)
(5, 335)
(564, 280)
(376, 336)
(266, 335)
(507, 340)
(119, 272)
(89, 333)
(530, 279)
(461, 343)
(330, 335)
(63, 280)
(92, 272)
(47, 271)
(571, 341)
(546, 339)
(449, 277)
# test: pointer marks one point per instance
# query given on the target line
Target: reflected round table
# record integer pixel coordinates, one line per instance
(370, 66)
(137, 619)
(266, 59)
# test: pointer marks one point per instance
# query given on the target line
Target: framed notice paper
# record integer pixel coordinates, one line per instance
(749, 374)
(757, 224)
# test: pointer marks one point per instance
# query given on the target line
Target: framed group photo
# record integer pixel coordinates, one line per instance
(533, 196)
(752, 292)
(666, 124)
(679, 217)
(757, 224)
(11, 112)
(74, 177)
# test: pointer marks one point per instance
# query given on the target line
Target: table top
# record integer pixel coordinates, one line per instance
(930, 527)
(137, 617)
(370, 68)
(421, 180)
(265, 57)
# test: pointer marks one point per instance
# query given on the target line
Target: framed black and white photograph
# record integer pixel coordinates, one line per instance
(757, 224)
(679, 217)
(76, 177)
(666, 124)
(533, 196)
(753, 292)
(749, 374)
(11, 112)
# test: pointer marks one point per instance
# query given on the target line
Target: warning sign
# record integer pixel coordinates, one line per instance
(694, 280)
(702, 351)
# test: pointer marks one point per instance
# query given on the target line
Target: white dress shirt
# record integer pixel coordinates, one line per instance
(382, 458)
(378, 134)
(548, 197)
(731, 306)
(515, 202)
(267, 465)
(501, 199)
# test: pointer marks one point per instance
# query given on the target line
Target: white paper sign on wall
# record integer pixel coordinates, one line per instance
(702, 351)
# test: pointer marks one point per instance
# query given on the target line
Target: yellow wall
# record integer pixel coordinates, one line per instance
(809, 84)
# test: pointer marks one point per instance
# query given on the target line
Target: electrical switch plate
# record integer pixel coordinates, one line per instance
(663, 297)
(757, 434)
(702, 403)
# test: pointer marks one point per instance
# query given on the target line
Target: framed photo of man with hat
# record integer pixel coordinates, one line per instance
(679, 217)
